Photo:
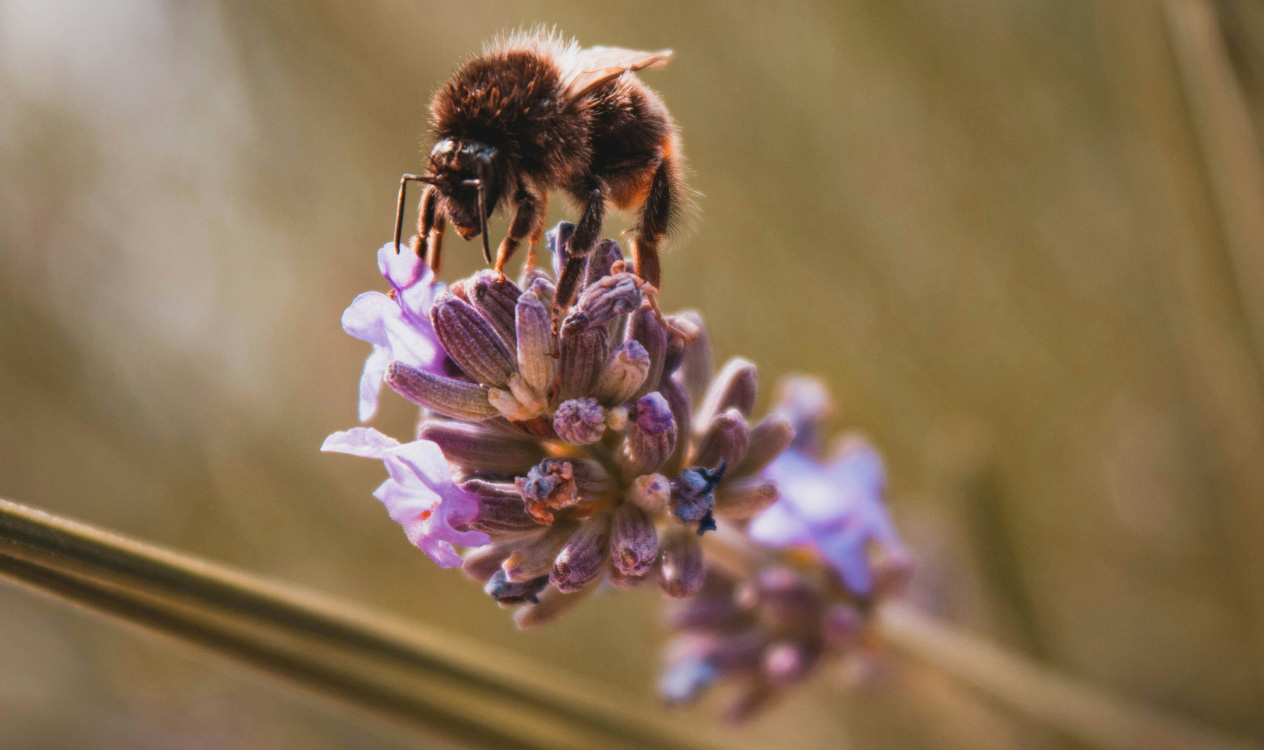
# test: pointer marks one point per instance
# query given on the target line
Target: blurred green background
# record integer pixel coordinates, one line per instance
(1023, 242)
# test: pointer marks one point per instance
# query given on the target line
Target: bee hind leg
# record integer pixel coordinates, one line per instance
(656, 217)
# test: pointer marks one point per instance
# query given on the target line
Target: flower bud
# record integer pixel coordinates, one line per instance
(583, 558)
(584, 350)
(501, 510)
(481, 563)
(680, 563)
(534, 558)
(643, 327)
(471, 341)
(552, 605)
(692, 495)
(621, 580)
(651, 436)
(768, 438)
(787, 663)
(610, 297)
(650, 492)
(520, 403)
(623, 373)
(580, 421)
(633, 541)
(601, 261)
(743, 499)
(558, 483)
(725, 439)
(535, 341)
(697, 364)
(496, 299)
(507, 593)
(447, 396)
(682, 412)
(735, 387)
(481, 448)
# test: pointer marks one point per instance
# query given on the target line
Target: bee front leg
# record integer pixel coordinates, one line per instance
(528, 220)
(582, 242)
(431, 222)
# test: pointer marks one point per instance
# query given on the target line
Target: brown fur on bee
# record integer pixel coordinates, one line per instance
(534, 113)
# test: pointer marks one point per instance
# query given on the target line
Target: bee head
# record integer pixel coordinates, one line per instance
(468, 176)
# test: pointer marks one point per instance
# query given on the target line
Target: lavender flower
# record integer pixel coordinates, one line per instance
(420, 495)
(770, 630)
(397, 325)
(835, 507)
(572, 450)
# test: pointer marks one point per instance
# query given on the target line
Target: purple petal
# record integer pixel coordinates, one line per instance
(777, 526)
(360, 441)
(403, 268)
(420, 464)
(848, 553)
(412, 343)
(371, 381)
(366, 316)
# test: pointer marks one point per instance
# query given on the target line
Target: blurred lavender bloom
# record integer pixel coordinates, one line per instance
(836, 507)
(397, 325)
(421, 495)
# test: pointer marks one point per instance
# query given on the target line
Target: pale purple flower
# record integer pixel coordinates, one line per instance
(836, 507)
(421, 495)
(397, 325)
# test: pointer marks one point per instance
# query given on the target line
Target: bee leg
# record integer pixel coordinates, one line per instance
(527, 221)
(582, 243)
(430, 225)
(537, 234)
(655, 219)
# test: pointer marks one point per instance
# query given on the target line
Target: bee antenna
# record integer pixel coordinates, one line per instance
(399, 206)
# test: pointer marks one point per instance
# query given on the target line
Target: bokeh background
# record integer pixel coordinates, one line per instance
(1023, 241)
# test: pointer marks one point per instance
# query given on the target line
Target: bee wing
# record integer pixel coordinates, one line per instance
(596, 65)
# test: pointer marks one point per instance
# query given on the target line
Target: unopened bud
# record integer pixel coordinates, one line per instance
(471, 341)
(623, 373)
(580, 421)
(584, 556)
(724, 439)
(743, 499)
(584, 348)
(735, 387)
(651, 436)
(644, 327)
(447, 396)
(610, 297)
(535, 558)
(650, 492)
(680, 563)
(535, 341)
(495, 299)
(633, 541)
(768, 438)
(481, 448)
